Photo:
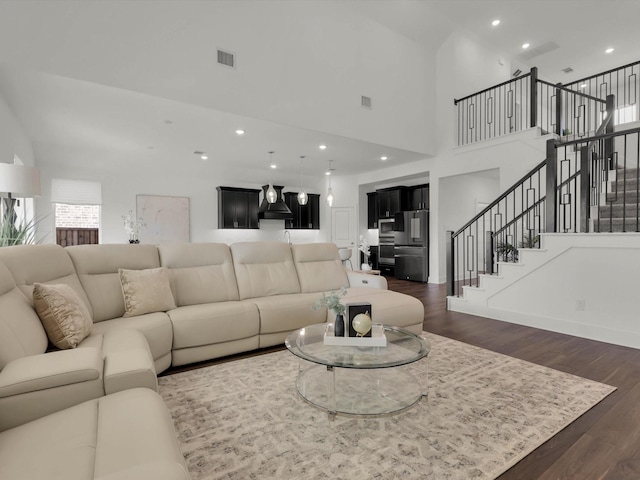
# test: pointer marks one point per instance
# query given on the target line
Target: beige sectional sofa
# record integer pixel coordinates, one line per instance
(228, 299)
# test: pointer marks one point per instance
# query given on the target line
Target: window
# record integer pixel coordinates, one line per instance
(77, 211)
(626, 115)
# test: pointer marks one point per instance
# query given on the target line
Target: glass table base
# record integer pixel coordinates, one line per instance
(359, 391)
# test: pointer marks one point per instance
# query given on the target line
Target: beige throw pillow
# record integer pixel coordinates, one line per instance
(146, 291)
(64, 316)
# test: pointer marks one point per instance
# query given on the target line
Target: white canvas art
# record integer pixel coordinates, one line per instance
(166, 219)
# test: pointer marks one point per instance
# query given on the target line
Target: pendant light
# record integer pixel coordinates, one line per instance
(302, 196)
(330, 197)
(271, 194)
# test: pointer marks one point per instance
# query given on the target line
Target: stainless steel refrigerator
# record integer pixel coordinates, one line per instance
(411, 245)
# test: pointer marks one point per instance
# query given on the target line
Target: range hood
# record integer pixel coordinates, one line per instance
(274, 211)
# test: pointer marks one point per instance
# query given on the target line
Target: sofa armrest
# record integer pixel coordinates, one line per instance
(366, 280)
(50, 370)
(35, 386)
(128, 362)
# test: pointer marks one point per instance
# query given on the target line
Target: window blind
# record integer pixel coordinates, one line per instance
(76, 192)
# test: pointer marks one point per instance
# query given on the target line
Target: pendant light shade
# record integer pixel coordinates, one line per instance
(271, 194)
(302, 196)
(330, 197)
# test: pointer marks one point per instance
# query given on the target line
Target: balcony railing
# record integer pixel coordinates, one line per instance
(574, 110)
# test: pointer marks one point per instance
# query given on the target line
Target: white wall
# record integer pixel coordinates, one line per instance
(119, 190)
(582, 284)
(13, 138)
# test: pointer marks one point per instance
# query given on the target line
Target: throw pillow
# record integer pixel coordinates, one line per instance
(65, 318)
(146, 291)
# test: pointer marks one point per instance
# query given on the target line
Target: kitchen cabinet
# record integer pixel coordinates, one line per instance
(391, 201)
(372, 210)
(418, 197)
(238, 207)
(305, 217)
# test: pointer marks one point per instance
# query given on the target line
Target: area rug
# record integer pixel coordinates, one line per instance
(484, 412)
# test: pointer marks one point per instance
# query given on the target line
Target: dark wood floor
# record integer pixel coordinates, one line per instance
(602, 444)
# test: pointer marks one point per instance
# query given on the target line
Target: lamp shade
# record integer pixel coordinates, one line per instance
(19, 181)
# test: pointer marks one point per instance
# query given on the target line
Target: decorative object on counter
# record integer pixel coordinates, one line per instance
(376, 339)
(362, 324)
(271, 194)
(302, 195)
(330, 197)
(359, 315)
(332, 302)
(366, 251)
(132, 226)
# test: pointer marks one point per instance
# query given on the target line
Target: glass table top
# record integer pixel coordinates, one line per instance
(403, 347)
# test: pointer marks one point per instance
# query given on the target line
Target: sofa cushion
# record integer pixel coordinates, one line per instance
(47, 263)
(200, 273)
(285, 313)
(64, 316)
(264, 269)
(319, 267)
(21, 332)
(207, 324)
(146, 291)
(97, 267)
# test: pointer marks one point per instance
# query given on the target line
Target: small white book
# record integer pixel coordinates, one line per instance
(377, 338)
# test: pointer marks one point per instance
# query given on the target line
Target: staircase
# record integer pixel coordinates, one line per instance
(618, 211)
(580, 210)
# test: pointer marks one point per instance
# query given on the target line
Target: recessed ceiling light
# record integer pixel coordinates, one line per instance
(525, 45)
(608, 50)
(273, 166)
(583, 85)
(240, 132)
(204, 156)
(328, 172)
(322, 147)
(384, 157)
(495, 23)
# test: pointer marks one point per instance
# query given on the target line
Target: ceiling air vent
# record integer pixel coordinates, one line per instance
(567, 70)
(365, 101)
(226, 58)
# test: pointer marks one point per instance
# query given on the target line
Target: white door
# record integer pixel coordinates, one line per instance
(343, 230)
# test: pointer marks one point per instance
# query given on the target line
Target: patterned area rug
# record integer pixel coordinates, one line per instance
(484, 412)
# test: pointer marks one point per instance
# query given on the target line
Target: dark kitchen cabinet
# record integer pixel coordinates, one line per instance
(418, 198)
(391, 201)
(238, 207)
(305, 217)
(372, 210)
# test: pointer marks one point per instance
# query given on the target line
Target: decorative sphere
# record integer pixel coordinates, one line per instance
(362, 323)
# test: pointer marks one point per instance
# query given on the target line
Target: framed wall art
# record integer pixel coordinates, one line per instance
(165, 219)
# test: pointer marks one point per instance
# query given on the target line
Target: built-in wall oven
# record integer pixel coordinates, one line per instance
(386, 260)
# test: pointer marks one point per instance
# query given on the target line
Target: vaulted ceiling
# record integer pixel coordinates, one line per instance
(86, 80)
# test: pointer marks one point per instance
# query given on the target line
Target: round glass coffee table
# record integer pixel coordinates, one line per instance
(359, 380)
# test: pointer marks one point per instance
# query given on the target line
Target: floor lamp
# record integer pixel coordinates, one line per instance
(17, 181)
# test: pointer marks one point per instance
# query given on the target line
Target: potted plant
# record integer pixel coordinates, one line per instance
(332, 302)
(17, 234)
